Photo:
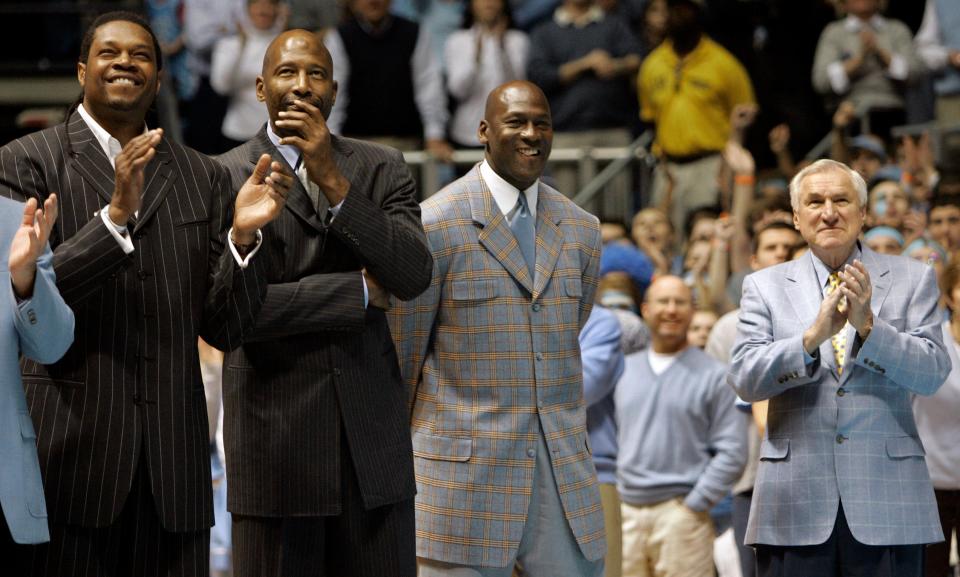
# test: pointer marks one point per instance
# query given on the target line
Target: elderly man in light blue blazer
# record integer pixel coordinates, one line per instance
(34, 322)
(838, 341)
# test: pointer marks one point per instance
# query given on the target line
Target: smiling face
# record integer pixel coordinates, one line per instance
(668, 309)
(296, 67)
(120, 72)
(517, 133)
(829, 215)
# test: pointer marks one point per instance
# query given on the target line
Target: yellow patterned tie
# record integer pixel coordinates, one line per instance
(839, 340)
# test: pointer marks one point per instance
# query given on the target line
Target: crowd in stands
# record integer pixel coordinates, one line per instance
(732, 120)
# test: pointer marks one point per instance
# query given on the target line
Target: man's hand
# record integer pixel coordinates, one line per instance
(440, 149)
(844, 115)
(377, 296)
(858, 290)
(830, 319)
(260, 200)
(312, 137)
(738, 158)
(129, 167)
(29, 242)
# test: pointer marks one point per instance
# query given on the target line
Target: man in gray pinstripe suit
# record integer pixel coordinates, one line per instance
(315, 424)
(838, 341)
(142, 256)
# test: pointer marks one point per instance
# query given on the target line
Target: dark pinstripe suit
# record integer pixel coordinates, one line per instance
(318, 364)
(129, 388)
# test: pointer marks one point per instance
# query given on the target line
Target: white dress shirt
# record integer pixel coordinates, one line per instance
(505, 194)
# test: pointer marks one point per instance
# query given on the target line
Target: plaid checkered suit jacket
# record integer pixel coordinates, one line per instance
(847, 439)
(487, 352)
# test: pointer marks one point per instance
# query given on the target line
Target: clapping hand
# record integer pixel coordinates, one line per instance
(29, 242)
(260, 199)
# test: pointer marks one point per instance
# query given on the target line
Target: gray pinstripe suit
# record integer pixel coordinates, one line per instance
(129, 388)
(318, 364)
(849, 438)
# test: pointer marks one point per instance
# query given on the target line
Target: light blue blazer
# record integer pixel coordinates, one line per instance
(40, 328)
(847, 439)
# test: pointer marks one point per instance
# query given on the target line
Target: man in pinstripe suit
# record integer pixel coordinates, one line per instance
(140, 256)
(839, 341)
(315, 423)
(491, 356)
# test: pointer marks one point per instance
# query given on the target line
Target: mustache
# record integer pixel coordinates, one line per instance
(288, 102)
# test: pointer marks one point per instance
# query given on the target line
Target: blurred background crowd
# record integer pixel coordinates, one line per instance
(678, 122)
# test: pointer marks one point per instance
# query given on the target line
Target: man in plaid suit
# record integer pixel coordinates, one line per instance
(839, 340)
(492, 361)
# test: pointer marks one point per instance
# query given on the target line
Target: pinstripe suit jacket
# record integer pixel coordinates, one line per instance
(317, 362)
(487, 352)
(42, 329)
(131, 380)
(847, 439)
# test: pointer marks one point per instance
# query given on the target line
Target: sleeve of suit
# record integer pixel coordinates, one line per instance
(411, 323)
(763, 367)
(727, 443)
(44, 323)
(235, 294)
(84, 261)
(916, 358)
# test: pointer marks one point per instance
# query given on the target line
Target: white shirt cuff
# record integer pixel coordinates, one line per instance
(838, 77)
(366, 293)
(898, 69)
(120, 233)
(243, 261)
(335, 210)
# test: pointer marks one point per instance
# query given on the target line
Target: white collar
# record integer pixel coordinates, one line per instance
(854, 24)
(504, 193)
(289, 152)
(564, 17)
(110, 145)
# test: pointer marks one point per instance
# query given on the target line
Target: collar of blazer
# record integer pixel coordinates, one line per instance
(804, 292)
(498, 239)
(88, 159)
(298, 201)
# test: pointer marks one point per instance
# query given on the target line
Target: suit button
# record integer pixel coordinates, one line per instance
(531, 453)
(840, 439)
(781, 380)
(841, 392)
(535, 307)
(539, 356)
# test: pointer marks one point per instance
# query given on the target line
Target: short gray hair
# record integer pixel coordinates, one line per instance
(827, 165)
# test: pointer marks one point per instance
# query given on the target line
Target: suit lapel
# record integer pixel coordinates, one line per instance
(89, 160)
(156, 178)
(298, 200)
(496, 235)
(549, 239)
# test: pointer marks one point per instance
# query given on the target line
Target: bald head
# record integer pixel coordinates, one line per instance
(668, 309)
(667, 284)
(517, 132)
(296, 68)
(517, 90)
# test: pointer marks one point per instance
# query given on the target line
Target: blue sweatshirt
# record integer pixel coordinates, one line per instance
(602, 366)
(679, 432)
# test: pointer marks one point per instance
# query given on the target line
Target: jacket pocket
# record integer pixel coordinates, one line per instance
(903, 447)
(774, 449)
(441, 448)
(474, 290)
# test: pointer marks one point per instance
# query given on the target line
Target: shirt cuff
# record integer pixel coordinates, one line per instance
(120, 233)
(808, 359)
(838, 77)
(898, 69)
(366, 293)
(242, 262)
(335, 210)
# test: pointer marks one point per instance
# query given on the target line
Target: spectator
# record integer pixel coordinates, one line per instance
(653, 233)
(771, 245)
(927, 251)
(316, 15)
(177, 83)
(701, 324)
(653, 26)
(868, 155)
(236, 65)
(888, 204)
(602, 358)
(945, 211)
(690, 88)
(681, 443)
(885, 240)
(583, 60)
(938, 423)
(376, 54)
(485, 54)
(865, 58)
(440, 18)
(938, 44)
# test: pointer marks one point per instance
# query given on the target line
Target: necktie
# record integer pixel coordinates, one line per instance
(524, 230)
(839, 340)
(313, 191)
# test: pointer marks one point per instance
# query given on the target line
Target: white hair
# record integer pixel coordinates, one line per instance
(827, 165)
